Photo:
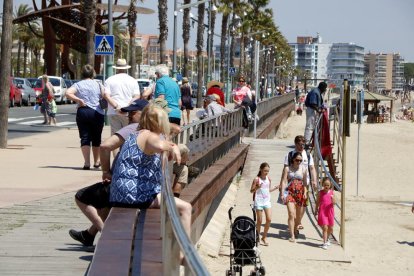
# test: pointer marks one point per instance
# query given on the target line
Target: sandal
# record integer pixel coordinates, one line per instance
(300, 227)
(97, 165)
(264, 242)
(292, 240)
(85, 167)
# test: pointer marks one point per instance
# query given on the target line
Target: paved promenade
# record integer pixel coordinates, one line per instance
(306, 248)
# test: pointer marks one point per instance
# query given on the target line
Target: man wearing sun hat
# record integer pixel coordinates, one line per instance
(214, 87)
(122, 89)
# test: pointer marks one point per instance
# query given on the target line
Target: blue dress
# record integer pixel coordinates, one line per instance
(136, 178)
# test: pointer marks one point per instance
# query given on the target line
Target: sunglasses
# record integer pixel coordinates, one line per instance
(298, 160)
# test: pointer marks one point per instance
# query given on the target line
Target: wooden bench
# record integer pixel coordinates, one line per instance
(126, 234)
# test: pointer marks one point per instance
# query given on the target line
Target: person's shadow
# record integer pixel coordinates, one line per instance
(406, 242)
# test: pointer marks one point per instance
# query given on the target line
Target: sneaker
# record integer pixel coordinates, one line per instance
(82, 236)
(324, 246)
(328, 242)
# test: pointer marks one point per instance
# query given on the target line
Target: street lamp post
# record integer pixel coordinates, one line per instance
(109, 58)
(176, 10)
(256, 65)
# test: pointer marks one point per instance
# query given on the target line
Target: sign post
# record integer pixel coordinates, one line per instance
(104, 46)
(360, 120)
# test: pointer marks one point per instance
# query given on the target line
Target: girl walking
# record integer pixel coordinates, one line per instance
(325, 210)
(261, 190)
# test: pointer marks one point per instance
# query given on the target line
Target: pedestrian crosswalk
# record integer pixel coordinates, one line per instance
(38, 120)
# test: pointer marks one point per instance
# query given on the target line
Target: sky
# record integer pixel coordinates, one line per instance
(380, 26)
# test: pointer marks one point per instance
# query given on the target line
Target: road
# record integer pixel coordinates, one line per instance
(25, 120)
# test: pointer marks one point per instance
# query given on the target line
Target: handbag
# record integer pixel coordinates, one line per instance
(285, 193)
(103, 104)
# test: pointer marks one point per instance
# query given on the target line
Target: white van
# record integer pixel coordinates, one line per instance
(144, 84)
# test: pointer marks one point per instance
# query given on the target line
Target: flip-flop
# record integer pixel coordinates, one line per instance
(300, 227)
(292, 240)
(265, 243)
(97, 165)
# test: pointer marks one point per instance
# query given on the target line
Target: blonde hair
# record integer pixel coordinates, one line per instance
(184, 150)
(45, 78)
(155, 119)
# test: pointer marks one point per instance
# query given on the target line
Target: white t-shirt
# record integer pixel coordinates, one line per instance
(122, 88)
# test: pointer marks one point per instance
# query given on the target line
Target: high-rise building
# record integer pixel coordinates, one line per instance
(346, 62)
(384, 72)
(332, 62)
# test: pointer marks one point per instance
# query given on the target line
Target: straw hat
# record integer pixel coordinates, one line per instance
(121, 64)
(214, 83)
(185, 80)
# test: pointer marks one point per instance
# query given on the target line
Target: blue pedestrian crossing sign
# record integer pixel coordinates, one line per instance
(104, 45)
(232, 71)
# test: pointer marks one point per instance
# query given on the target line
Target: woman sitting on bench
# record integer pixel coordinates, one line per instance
(137, 173)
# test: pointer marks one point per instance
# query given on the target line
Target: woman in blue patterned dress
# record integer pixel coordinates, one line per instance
(137, 173)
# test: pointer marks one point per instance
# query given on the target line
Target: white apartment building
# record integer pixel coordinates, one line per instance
(331, 62)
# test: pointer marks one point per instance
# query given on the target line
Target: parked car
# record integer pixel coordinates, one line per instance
(143, 84)
(15, 94)
(32, 80)
(60, 88)
(28, 93)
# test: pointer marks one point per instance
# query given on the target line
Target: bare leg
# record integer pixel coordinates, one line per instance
(177, 189)
(325, 233)
(96, 157)
(291, 219)
(330, 231)
(302, 212)
(259, 220)
(268, 213)
(86, 151)
(299, 213)
(188, 116)
(92, 214)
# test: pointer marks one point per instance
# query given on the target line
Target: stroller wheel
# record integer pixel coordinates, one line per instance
(262, 270)
(229, 273)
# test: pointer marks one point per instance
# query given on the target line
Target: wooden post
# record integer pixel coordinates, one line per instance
(345, 121)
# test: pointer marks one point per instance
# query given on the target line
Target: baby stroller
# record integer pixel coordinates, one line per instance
(243, 245)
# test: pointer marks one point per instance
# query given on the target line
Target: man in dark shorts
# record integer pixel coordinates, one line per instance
(93, 200)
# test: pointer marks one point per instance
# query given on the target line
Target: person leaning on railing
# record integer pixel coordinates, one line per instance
(137, 173)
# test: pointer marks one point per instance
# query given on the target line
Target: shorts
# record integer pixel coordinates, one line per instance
(173, 120)
(51, 115)
(261, 207)
(96, 195)
(141, 205)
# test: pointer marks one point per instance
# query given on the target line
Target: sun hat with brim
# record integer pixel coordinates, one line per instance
(137, 105)
(162, 103)
(121, 64)
(214, 83)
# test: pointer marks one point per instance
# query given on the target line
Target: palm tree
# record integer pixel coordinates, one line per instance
(120, 34)
(36, 45)
(225, 9)
(199, 44)
(89, 9)
(132, 19)
(162, 17)
(23, 36)
(6, 45)
(186, 37)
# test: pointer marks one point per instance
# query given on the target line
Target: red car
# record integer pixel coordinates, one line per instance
(38, 87)
(15, 93)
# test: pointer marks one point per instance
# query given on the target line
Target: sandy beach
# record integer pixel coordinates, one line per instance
(379, 237)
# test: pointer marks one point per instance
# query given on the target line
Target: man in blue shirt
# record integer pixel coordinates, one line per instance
(168, 90)
(313, 103)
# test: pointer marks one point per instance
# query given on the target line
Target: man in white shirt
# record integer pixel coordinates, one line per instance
(122, 89)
